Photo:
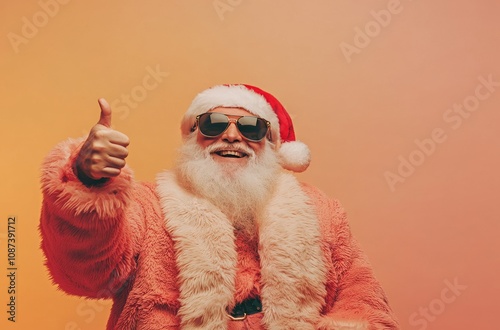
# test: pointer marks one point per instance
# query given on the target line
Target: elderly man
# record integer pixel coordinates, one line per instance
(226, 240)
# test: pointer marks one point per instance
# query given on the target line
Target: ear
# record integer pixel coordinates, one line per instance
(274, 145)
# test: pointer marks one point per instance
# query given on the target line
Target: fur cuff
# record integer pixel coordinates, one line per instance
(69, 198)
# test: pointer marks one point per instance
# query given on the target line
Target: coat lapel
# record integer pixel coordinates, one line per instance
(293, 272)
(206, 255)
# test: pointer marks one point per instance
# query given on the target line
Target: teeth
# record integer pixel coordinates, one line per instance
(231, 153)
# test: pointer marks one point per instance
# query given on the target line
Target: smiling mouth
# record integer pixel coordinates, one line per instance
(230, 154)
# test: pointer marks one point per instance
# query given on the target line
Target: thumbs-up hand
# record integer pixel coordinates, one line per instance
(103, 153)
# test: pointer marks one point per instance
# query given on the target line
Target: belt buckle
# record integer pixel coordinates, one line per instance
(237, 318)
(247, 307)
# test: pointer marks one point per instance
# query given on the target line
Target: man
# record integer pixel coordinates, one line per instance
(226, 240)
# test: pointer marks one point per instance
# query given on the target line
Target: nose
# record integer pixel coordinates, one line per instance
(231, 134)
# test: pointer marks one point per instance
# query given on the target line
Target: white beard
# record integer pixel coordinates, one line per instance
(240, 192)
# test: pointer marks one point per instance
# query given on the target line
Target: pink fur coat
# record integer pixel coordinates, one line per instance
(171, 260)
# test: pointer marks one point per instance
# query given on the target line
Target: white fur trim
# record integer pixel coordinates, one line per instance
(293, 275)
(292, 262)
(237, 96)
(295, 156)
(205, 253)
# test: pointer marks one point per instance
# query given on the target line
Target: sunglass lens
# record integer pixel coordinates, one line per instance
(252, 128)
(213, 124)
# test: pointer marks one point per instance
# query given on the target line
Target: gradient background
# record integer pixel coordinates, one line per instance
(360, 116)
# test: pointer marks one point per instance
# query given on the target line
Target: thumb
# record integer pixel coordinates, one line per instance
(105, 118)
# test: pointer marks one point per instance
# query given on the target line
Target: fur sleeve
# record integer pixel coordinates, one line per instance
(355, 299)
(88, 233)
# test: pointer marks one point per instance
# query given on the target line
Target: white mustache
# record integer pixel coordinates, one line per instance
(219, 146)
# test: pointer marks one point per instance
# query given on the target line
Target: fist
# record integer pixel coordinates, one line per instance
(103, 153)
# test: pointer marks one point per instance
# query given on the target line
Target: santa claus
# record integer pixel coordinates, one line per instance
(228, 239)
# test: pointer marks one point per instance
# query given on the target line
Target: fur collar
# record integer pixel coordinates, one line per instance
(293, 272)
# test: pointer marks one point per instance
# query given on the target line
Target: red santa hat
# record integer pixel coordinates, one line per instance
(294, 155)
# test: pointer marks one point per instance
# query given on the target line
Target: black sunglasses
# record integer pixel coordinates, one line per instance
(213, 124)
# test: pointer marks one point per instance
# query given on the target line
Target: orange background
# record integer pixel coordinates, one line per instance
(359, 113)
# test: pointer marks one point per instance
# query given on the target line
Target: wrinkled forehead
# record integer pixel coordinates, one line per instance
(233, 111)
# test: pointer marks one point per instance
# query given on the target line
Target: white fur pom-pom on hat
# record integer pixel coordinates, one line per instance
(294, 155)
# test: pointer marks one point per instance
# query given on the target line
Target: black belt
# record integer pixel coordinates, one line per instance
(246, 307)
